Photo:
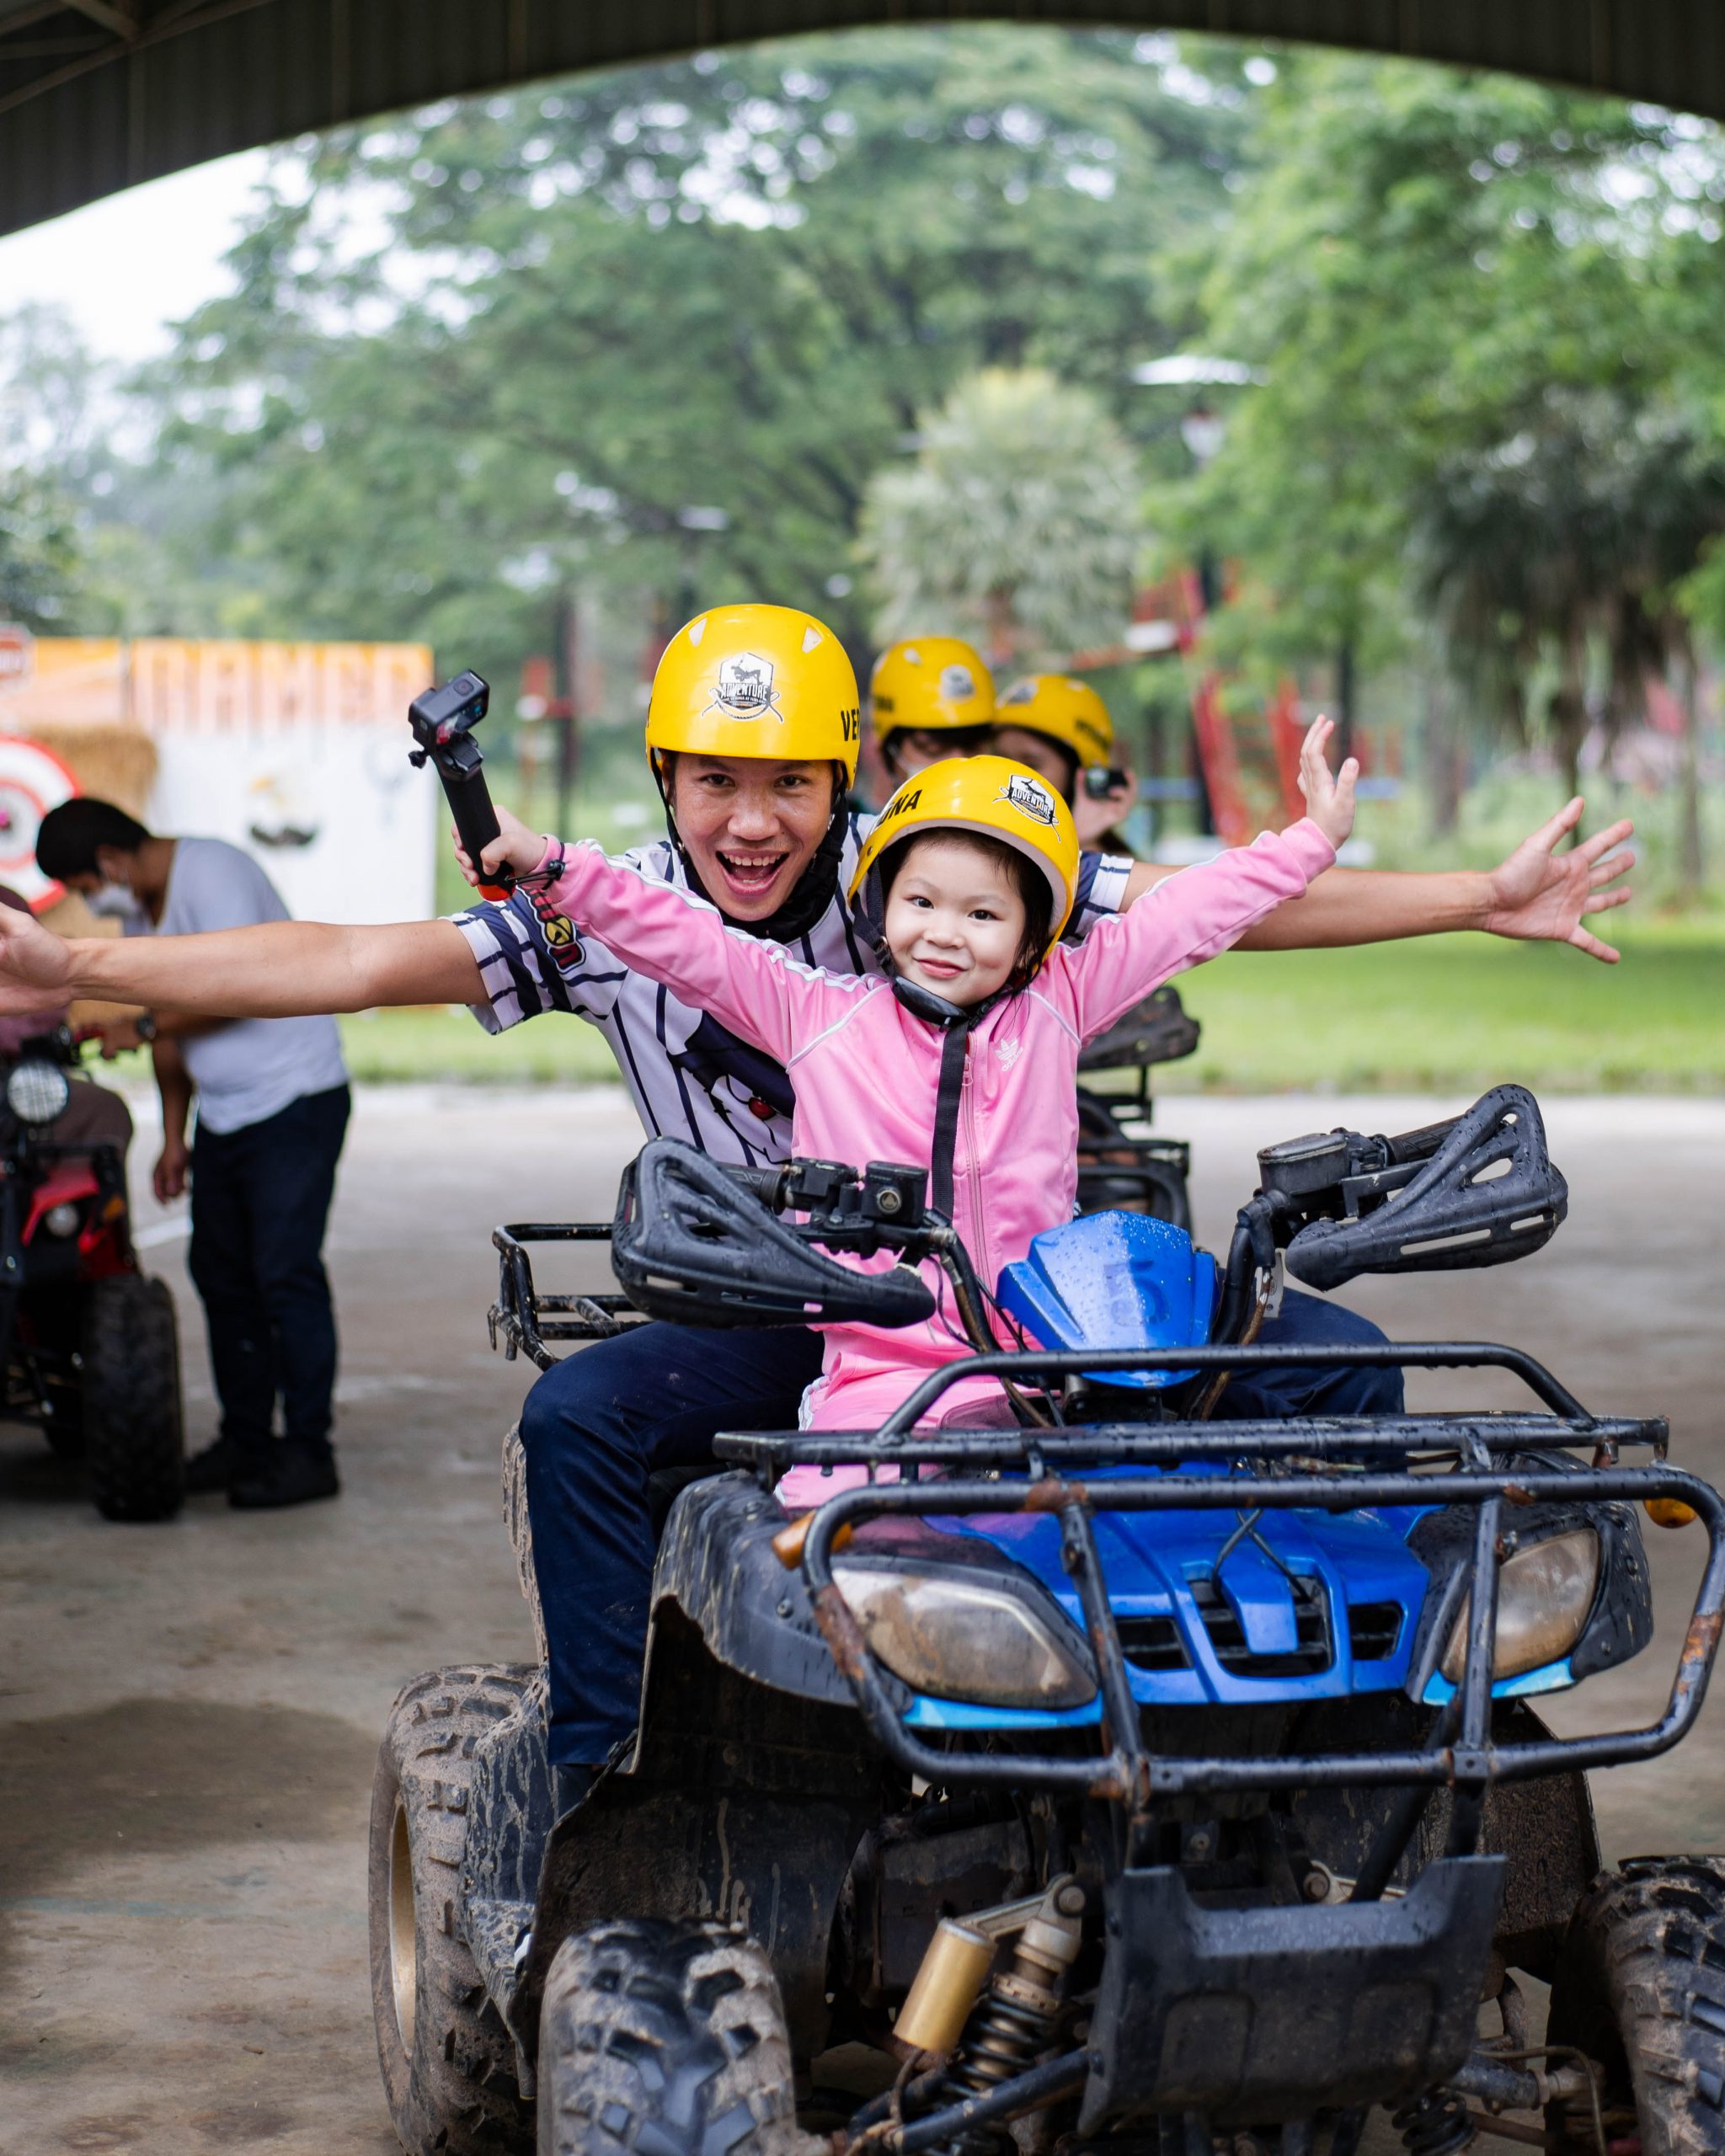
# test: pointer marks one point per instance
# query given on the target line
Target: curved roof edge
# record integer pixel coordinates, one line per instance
(96, 95)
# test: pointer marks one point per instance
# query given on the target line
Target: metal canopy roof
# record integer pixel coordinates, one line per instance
(96, 94)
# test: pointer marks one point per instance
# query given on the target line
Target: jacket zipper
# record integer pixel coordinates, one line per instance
(967, 1110)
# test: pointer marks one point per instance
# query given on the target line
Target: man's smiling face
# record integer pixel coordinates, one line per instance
(750, 825)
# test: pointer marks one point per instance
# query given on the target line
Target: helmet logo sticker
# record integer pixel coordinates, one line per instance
(957, 685)
(1021, 692)
(1030, 797)
(744, 688)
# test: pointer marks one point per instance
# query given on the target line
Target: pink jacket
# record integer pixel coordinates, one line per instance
(865, 1071)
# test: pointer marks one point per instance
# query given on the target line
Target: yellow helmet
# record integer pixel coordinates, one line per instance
(1066, 710)
(994, 799)
(768, 681)
(929, 685)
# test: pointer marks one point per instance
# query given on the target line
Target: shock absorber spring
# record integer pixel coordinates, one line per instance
(1434, 2123)
(1014, 2019)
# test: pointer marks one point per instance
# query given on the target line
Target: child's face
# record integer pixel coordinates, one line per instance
(954, 920)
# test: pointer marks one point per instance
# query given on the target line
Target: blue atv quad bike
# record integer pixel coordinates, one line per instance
(1122, 1782)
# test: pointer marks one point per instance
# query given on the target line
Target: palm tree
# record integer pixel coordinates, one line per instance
(1578, 528)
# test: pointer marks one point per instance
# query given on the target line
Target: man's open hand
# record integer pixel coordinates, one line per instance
(36, 966)
(1540, 895)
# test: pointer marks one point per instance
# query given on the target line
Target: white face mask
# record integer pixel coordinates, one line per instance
(115, 902)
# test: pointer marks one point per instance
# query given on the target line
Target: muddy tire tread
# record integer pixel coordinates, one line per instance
(1641, 1986)
(665, 2039)
(134, 1442)
(457, 2093)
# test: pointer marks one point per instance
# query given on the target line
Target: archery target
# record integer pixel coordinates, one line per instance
(33, 780)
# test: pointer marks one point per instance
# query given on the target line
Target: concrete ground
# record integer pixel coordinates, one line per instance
(189, 1713)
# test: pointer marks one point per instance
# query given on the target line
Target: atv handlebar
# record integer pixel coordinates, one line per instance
(700, 1242)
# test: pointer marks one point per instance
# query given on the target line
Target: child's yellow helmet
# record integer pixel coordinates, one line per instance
(1066, 710)
(929, 685)
(768, 681)
(994, 798)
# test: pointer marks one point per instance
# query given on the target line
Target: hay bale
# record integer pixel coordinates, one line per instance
(108, 759)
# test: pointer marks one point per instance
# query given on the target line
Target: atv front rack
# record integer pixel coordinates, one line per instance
(1334, 1464)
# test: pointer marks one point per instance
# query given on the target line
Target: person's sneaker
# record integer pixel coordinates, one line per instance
(214, 1468)
(294, 1471)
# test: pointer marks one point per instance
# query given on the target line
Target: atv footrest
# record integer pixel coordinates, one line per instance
(1262, 2014)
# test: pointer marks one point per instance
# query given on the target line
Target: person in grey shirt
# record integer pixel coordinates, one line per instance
(273, 1101)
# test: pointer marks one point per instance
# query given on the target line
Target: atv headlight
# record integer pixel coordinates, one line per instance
(960, 1639)
(1545, 1596)
(37, 1092)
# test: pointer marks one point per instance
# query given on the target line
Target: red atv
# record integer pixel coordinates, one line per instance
(90, 1346)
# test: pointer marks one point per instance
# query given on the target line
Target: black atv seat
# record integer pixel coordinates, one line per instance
(665, 1485)
(1157, 1030)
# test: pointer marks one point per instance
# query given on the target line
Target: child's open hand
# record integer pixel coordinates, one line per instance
(1329, 802)
(514, 846)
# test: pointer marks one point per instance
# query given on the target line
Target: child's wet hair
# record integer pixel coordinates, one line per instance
(1032, 887)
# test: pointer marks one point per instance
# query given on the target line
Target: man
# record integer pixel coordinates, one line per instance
(1059, 726)
(752, 734)
(929, 697)
(272, 1100)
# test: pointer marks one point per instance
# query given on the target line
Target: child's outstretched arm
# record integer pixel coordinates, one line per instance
(1204, 909)
(755, 987)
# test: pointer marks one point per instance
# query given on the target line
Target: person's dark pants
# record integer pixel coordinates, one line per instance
(260, 1200)
(592, 1431)
(596, 1426)
(1291, 1389)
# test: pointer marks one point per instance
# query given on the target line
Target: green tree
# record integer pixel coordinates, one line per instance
(1456, 294)
(1020, 519)
(482, 355)
(40, 556)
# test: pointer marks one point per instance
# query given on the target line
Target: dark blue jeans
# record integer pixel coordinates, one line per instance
(260, 1200)
(595, 1427)
(1290, 1389)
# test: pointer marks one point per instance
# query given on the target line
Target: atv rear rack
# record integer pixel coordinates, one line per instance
(1335, 1465)
(525, 1319)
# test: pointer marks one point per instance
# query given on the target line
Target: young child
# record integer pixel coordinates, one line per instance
(963, 1051)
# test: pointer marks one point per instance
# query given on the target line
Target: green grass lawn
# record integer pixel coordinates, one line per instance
(1455, 1012)
(1444, 1013)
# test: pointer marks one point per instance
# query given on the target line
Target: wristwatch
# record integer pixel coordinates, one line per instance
(144, 1025)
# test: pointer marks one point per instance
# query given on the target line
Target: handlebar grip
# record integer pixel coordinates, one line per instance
(768, 1184)
(1420, 1144)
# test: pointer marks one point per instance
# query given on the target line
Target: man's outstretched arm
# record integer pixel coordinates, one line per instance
(281, 970)
(1538, 894)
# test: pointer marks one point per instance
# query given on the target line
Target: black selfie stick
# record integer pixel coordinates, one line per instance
(443, 722)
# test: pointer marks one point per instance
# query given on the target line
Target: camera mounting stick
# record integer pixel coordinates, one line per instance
(443, 722)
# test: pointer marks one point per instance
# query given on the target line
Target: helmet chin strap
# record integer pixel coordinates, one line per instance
(809, 896)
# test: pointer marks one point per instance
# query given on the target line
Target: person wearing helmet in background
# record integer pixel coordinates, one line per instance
(1060, 727)
(752, 734)
(929, 697)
